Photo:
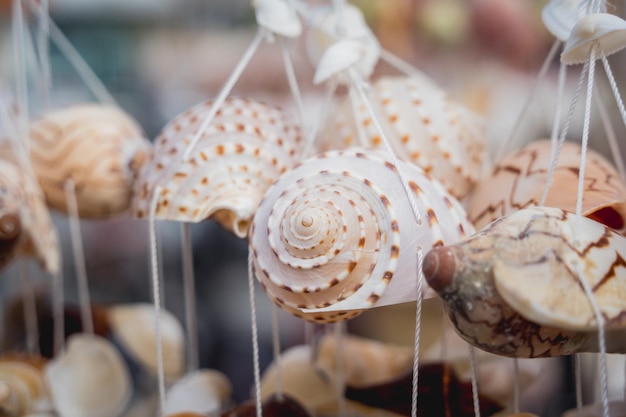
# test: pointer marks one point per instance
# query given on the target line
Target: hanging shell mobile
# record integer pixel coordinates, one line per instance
(246, 147)
(100, 148)
(337, 235)
(513, 288)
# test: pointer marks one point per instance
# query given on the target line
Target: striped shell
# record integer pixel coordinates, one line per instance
(423, 125)
(513, 288)
(519, 179)
(23, 389)
(99, 147)
(336, 235)
(246, 147)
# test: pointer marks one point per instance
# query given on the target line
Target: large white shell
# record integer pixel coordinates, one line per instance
(277, 16)
(518, 181)
(205, 392)
(560, 17)
(89, 379)
(606, 30)
(99, 147)
(133, 325)
(337, 234)
(423, 125)
(246, 147)
(23, 389)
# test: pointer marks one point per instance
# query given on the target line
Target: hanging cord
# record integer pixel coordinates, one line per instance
(255, 340)
(79, 257)
(43, 48)
(30, 309)
(610, 134)
(472, 355)
(418, 332)
(579, 385)
(320, 121)
(156, 295)
(19, 66)
(190, 298)
(277, 358)
(291, 77)
(340, 331)
(554, 135)
(516, 385)
(620, 105)
(58, 318)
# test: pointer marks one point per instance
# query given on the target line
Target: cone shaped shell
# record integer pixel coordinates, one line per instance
(560, 17)
(278, 16)
(246, 147)
(89, 379)
(422, 125)
(337, 234)
(23, 389)
(606, 30)
(133, 326)
(204, 391)
(99, 147)
(518, 181)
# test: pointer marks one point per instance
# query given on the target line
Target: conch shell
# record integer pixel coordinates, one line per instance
(513, 289)
(246, 147)
(23, 389)
(423, 125)
(518, 181)
(337, 234)
(99, 147)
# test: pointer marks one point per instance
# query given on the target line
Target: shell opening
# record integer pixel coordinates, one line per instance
(609, 217)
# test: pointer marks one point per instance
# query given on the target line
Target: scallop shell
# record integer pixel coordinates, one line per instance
(423, 125)
(337, 234)
(246, 147)
(606, 30)
(518, 181)
(560, 17)
(513, 288)
(99, 147)
(205, 391)
(23, 389)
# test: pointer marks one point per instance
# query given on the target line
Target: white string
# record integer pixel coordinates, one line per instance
(190, 298)
(620, 105)
(360, 131)
(579, 385)
(291, 77)
(255, 340)
(79, 257)
(277, 358)
(43, 48)
(516, 385)
(418, 332)
(19, 66)
(398, 63)
(156, 295)
(472, 356)
(341, 370)
(58, 319)
(320, 120)
(610, 134)
(226, 89)
(30, 309)
(504, 147)
(554, 135)
(161, 252)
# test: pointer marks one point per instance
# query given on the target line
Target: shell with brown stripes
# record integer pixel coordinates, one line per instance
(337, 235)
(99, 147)
(246, 147)
(423, 125)
(513, 288)
(519, 179)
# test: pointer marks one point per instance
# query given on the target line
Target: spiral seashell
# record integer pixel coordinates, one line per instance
(337, 234)
(605, 30)
(246, 147)
(422, 125)
(23, 389)
(513, 289)
(518, 181)
(99, 147)
(205, 392)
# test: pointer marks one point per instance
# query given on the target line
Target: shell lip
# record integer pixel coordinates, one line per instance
(606, 30)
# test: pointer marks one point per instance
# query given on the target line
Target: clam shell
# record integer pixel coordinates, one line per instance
(23, 389)
(337, 234)
(560, 17)
(277, 16)
(423, 125)
(519, 179)
(246, 147)
(607, 30)
(204, 391)
(99, 147)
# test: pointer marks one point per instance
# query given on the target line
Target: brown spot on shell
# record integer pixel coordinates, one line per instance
(373, 298)
(387, 276)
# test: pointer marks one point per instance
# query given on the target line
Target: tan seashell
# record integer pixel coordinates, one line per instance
(133, 326)
(23, 389)
(99, 147)
(89, 379)
(423, 125)
(605, 30)
(512, 289)
(246, 147)
(204, 392)
(518, 181)
(337, 234)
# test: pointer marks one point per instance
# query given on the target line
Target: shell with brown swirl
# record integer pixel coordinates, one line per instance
(337, 234)
(23, 388)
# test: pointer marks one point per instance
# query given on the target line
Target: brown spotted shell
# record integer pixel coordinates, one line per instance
(424, 126)
(245, 148)
(518, 181)
(337, 234)
(99, 147)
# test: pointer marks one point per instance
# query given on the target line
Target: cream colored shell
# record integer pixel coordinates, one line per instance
(23, 389)
(99, 147)
(423, 125)
(518, 181)
(204, 391)
(603, 31)
(337, 234)
(246, 147)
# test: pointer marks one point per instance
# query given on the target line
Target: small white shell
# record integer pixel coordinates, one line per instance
(560, 17)
(423, 125)
(339, 57)
(607, 30)
(277, 16)
(99, 147)
(246, 147)
(204, 392)
(133, 326)
(337, 234)
(89, 379)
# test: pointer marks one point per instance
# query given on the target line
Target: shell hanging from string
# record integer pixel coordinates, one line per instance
(336, 235)
(246, 147)
(204, 391)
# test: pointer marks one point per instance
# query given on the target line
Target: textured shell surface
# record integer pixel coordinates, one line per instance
(560, 17)
(99, 147)
(23, 389)
(518, 181)
(337, 234)
(423, 125)
(245, 148)
(605, 30)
